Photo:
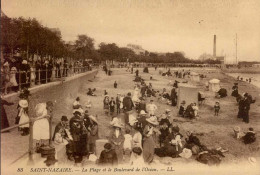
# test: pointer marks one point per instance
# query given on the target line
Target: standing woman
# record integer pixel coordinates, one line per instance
(93, 134)
(137, 137)
(117, 140)
(4, 120)
(149, 139)
(24, 117)
(106, 104)
(13, 79)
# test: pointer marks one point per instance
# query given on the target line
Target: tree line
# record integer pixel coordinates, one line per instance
(29, 37)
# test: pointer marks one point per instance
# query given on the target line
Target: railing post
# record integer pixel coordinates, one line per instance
(46, 75)
(31, 75)
(20, 80)
(39, 73)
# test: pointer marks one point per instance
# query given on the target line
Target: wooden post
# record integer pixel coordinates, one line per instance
(31, 150)
(31, 136)
(50, 125)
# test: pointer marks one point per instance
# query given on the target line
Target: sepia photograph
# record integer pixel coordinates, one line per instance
(130, 87)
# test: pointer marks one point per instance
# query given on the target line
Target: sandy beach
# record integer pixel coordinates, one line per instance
(212, 131)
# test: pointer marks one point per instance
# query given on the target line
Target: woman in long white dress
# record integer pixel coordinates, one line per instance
(23, 114)
(13, 77)
(41, 127)
(136, 96)
(33, 76)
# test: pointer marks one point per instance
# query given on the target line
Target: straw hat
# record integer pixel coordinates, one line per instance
(152, 120)
(186, 153)
(40, 109)
(237, 128)
(78, 110)
(23, 103)
(167, 110)
(92, 158)
(13, 69)
(252, 160)
(118, 125)
(93, 118)
(143, 112)
(24, 62)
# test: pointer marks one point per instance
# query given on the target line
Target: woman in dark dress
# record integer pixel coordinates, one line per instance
(4, 119)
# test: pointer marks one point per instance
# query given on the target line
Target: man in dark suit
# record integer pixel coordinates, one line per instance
(63, 124)
(108, 156)
(127, 106)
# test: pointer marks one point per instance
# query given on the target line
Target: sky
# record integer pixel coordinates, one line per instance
(157, 25)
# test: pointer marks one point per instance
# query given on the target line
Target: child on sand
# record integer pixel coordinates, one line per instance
(217, 108)
(127, 145)
(112, 104)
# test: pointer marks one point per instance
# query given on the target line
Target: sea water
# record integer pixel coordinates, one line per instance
(255, 78)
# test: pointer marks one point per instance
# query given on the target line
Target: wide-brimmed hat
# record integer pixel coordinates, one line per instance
(117, 125)
(64, 118)
(153, 120)
(252, 160)
(183, 102)
(175, 129)
(24, 62)
(93, 118)
(167, 110)
(51, 160)
(23, 103)
(143, 112)
(186, 153)
(40, 110)
(13, 69)
(237, 128)
(92, 158)
(77, 111)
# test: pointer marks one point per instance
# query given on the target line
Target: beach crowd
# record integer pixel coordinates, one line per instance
(135, 140)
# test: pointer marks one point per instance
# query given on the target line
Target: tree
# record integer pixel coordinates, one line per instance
(84, 46)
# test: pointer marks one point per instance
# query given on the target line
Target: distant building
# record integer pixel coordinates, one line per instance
(256, 65)
(136, 48)
(205, 56)
(3, 14)
(56, 30)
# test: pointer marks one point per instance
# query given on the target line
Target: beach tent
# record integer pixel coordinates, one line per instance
(214, 85)
(194, 77)
(187, 93)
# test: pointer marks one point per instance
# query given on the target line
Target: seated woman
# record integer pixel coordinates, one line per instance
(249, 137)
(91, 92)
(182, 109)
(189, 112)
(164, 132)
(173, 144)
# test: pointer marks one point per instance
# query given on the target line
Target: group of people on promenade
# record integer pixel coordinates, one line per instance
(17, 71)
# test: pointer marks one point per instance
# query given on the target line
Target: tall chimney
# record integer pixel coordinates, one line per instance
(214, 46)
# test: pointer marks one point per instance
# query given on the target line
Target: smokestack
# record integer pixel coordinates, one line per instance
(214, 46)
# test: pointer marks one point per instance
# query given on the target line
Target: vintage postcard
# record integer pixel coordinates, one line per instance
(130, 87)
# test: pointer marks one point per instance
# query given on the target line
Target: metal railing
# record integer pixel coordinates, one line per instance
(17, 80)
(31, 123)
